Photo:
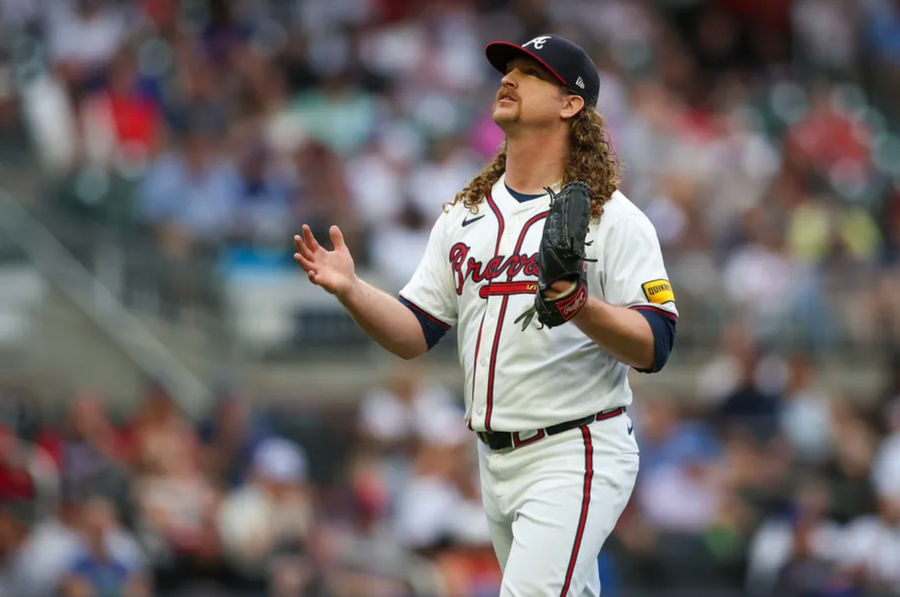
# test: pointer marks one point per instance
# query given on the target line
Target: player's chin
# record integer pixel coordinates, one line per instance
(504, 114)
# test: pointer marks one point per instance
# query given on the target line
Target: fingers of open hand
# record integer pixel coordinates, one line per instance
(304, 262)
(306, 243)
(309, 239)
(301, 247)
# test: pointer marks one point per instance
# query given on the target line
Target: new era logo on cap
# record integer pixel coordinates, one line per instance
(566, 60)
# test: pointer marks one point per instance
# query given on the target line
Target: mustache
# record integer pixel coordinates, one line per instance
(505, 92)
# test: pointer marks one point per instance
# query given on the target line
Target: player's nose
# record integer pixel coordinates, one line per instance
(511, 78)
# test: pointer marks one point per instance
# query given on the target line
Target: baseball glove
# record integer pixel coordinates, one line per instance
(561, 256)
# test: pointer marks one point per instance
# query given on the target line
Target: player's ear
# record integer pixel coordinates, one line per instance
(572, 105)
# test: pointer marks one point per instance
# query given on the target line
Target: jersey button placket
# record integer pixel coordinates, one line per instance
(487, 338)
(484, 351)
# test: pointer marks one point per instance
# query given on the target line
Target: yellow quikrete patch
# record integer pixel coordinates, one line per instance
(658, 291)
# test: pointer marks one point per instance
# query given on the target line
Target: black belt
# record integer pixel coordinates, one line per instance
(500, 440)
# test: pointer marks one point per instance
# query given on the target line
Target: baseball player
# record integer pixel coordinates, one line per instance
(557, 285)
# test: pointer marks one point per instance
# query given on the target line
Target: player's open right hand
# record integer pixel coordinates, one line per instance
(332, 270)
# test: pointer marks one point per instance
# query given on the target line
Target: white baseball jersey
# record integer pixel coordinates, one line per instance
(480, 272)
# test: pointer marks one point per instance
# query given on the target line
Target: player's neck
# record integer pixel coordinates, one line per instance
(535, 161)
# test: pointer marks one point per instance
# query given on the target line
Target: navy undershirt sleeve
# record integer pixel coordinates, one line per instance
(663, 337)
(433, 330)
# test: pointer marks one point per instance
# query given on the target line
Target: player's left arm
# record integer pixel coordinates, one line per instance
(623, 333)
(636, 321)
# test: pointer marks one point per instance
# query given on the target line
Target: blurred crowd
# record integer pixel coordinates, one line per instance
(378, 499)
(762, 483)
(762, 140)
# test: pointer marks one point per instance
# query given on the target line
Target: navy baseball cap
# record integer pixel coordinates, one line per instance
(567, 61)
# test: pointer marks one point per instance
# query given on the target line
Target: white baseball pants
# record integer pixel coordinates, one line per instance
(552, 504)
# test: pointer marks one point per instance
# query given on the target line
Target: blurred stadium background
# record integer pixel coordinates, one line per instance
(181, 413)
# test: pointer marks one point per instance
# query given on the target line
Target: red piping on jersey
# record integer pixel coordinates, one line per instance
(671, 316)
(426, 313)
(585, 502)
(487, 416)
(490, 388)
(528, 224)
(508, 288)
(492, 366)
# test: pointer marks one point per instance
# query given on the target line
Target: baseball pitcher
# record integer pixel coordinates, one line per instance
(556, 283)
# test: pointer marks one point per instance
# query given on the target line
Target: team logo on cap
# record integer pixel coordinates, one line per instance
(538, 42)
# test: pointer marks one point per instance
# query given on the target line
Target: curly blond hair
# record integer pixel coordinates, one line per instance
(591, 160)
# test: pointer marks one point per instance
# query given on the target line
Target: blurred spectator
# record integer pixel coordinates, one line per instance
(44, 556)
(721, 375)
(264, 214)
(827, 35)
(397, 246)
(266, 523)
(189, 197)
(438, 512)
(830, 146)
(159, 429)
(873, 546)
(10, 120)
(97, 570)
(408, 409)
(680, 488)
(94, 454)
(881, 32)
(176, 520)
(806, 412)
(323, 196)
(50, 120)
(13, 528)
(231, 437)
(796, 552)
(83, 36)
(753, 405)
(337, 114)
(56, 543)
(886, 466)
(438, 505)
(29, 459)
(378, 189)
(175, 501)
(849, 470)
(758, 276)
(122, 124)
(449, 167)
(196, 104)
(20, 13)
